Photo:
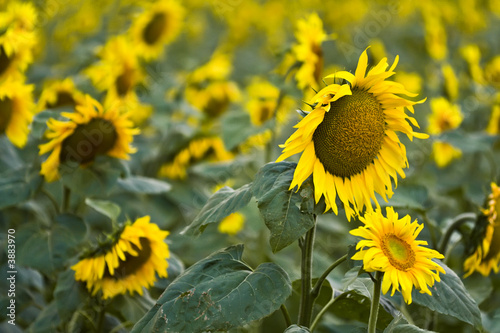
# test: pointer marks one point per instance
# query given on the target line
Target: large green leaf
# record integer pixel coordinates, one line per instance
(220, 205)
(287, 214)
(450, 297)
(17, 186)
(108, 208)
(69, 295)
(400, 325)
(139, 184)
(218, 293)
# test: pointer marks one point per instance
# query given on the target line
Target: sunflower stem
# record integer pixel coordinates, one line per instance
(286, 315)
(372, 322)
(66, 199)
(322, 312)
(317, 286)
(307, 301)
(455, 224)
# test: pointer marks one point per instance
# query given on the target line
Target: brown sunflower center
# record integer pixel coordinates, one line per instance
(6, 108)
(351, 134)
(265, 114)
(445, 124)
(399, 252)
(124, 82)
(4, 61)
(154, 29)
(96, 137)
(132, 264)
(63, 98)
(216, 105)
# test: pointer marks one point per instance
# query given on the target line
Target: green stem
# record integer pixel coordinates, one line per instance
(322, 312)
(66, 199)
(100, 319)
(372, 322)
(288, 320)
(307, 301)
(455, 224)
(317, 286)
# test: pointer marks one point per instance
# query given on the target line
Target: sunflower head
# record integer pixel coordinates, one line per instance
(87, 132)
(16, 111)
(492, 72)
(349, 141)
(128, 261)
(232, 224)
(158, 25)
(444, 117)
(484, 252)
(390, 246)
(57, 94)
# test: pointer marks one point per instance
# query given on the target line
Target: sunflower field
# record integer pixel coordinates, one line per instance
(249, 166)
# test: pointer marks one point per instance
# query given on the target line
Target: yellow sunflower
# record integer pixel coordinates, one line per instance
(130, 105)
(349, 140)
(207, 148)
(16, 111)
(390, 246)
(61, 93)
(472, 54)
(16, 51)
(22, 16)
(486, 255)
(492, 72)
(88, 132)
(444, 153)
(128, 262)
(208, 88)
(232, 224)
(451, 84)
(156, 27)
(493, 125)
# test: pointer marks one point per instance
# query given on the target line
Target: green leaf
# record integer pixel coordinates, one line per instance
(287, 214)
(450, 297)
(132, 307)
(69, 294)
(400, 325)
(297, 329)
(236, 128)
(218, 293)
(47, 320)
(221, 204)
(139, 184)
(412, 197)
(104, 207)
(17, 186)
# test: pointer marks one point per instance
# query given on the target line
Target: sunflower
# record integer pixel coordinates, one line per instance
(232, 224)
(444, 117)
(61, 93)
(16, 111)
(157, 26)
(451, 84)
(472, 55)
(486, 253)
(127, 262)
(349, 140)
(390, 246)
(208, 88)
(492, 72)
(129, 104)
(494, 123)
(206, 148)
(88, 132)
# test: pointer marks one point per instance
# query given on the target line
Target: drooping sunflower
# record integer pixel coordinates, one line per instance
(232, 224)
(444, 117)
(390, 246)
(127, 262)
(157, 26)
(88, 132)
(205, 148)
(61, 93)
(208, 88)
(349, 142)
(16, 111)
(485, 252)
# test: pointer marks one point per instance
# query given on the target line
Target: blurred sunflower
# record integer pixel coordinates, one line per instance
(494, 123)
(127, 262)
(207, 148)
(61, 93)
(390, 246)
(492, 72)
(451, 84)
(16, 111)
(485, 251)
(435, 32)
(349, 142)
(16, 50)
(88, 132)
(444, 117)
(232, 224)
(472, 55)
(157, 26)
(208, 88)
(21, 16)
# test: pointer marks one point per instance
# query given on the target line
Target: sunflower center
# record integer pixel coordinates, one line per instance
(4, 61)
(124, 82)
(132, 264)
(350, 135)
(399, 252)
(265, 114)
(444, 124)
(96, 137)
(154, 29)
(216, 106)
(6, 108)
(63, 98)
